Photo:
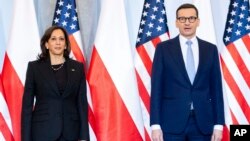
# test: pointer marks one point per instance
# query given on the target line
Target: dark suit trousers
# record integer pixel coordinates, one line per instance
(191, 132)
(61, 138)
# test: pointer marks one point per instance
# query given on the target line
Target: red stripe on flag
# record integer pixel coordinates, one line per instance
(155, 41)
(234, 120)
(226, 131)
(76, 49)
(13, 90)
(239, 62)
(91, 119)
(145, 58)
(5, 129)
(147, 137)
(143, 92)
(226, 135)
(113, 123)
(235, 90)
(246, 40)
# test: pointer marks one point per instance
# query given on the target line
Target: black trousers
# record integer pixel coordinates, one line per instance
(61, 138)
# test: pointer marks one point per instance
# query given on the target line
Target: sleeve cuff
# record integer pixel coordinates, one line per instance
(218, 127)
(155, 127)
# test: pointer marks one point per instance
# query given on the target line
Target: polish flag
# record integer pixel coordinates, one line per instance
(112, 79)
(22, 47)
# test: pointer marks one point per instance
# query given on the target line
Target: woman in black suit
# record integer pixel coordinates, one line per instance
(55, 104)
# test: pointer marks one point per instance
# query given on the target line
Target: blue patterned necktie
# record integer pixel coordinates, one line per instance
(190, 62)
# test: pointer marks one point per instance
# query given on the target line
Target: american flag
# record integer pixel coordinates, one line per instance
(153, 29)
(235, 63)
(6, 132)
(66, 16)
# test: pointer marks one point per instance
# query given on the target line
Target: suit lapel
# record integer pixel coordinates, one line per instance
(70, 68)
(202, 57)
(178, 57)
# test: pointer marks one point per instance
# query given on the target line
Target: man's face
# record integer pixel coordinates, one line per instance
(187, 22)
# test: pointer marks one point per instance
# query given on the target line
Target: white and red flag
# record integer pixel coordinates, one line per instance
(112, 79)
(22, 47)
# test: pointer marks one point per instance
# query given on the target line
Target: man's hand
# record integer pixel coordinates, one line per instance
(157, 135)
(217, 135)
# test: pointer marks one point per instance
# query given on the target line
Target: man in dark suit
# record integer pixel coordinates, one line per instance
(186, 95)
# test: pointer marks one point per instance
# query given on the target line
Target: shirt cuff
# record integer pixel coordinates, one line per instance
(155, 127)
(218, 127)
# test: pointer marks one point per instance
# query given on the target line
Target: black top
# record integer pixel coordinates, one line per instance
(60, 75)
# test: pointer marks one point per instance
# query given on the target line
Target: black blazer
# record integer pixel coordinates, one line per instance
(54, 114)
(172, 92)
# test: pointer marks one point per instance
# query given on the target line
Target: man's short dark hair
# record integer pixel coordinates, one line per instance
(185, 6)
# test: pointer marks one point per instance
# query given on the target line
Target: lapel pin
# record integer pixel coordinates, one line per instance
(72, 69)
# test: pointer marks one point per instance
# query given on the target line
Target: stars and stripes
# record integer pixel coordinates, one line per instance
(238, 21)
(152, 30)
(6, 132)
(66, 16)
(235, 63)
(153, 21)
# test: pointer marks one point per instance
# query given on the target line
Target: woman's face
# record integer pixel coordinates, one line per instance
(56, 43)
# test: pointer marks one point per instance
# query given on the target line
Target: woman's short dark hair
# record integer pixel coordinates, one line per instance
(185, 6)
(45, 38)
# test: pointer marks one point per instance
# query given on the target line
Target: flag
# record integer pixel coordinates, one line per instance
(66, 16)
(22, 47)
(6, 9)
(112, 80)
(152, 30)
(235, 63)
(206, 28)
(5, 121)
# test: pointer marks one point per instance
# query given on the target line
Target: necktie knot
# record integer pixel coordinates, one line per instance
(189, 43)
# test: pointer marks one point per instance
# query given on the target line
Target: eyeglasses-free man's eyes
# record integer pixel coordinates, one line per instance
(184, 19)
